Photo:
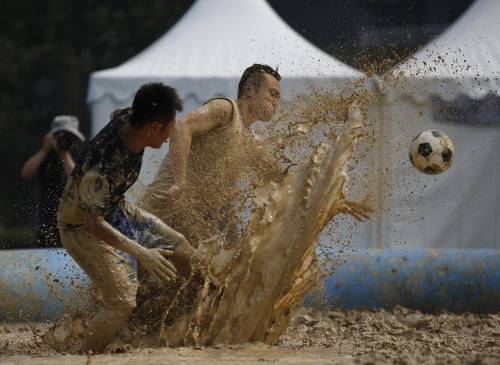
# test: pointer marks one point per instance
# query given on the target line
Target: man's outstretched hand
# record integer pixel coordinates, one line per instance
(154, 261)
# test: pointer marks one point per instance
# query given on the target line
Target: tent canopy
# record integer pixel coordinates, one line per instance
(204, 55)
(465, 59)
(460, 207)
(213, 43)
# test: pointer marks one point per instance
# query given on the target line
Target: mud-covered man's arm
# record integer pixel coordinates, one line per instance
(211, 115)
(184, 256)
(95, 198)
(155, 224)
(154, 260)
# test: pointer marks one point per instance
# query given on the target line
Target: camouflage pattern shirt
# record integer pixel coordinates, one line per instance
(104, 171)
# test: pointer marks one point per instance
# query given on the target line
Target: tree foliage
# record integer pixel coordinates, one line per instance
(49, 48)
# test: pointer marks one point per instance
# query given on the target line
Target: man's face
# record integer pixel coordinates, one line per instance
(159, 133)
(265, 98)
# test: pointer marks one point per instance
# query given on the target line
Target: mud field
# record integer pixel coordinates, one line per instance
(400, 336)
(252, 284)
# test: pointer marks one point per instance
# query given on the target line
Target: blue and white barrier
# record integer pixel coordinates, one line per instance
(42, 284)
(429, 280)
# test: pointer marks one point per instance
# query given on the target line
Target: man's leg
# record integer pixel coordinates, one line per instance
(110, 275)
(104, 327)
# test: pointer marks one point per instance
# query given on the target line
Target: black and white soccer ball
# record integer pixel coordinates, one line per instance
(432, 152)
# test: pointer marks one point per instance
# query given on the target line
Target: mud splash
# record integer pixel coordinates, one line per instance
(247, 292)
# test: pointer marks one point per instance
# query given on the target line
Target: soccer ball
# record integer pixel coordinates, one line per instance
(431, 152)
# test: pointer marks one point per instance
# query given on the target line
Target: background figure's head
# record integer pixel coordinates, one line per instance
(65, 130)
(153, 112)
(67, 141)
(259, 87)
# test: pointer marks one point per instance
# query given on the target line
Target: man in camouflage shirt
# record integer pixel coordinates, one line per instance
(94, 194)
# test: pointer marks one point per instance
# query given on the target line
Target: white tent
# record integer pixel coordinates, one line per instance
(465, 59)
(204, 55)
(461, 207)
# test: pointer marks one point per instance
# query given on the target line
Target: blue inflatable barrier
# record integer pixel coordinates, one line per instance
(43, 284)
(428, 280)
(40, 284)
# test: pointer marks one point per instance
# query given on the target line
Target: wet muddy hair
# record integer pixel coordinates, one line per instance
(252, 77)
(155, 102)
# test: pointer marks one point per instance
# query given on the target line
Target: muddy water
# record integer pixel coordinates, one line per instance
(247, 288)
(240, 309)
(312, 337)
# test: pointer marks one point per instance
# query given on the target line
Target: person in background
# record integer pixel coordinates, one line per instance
(52, 164)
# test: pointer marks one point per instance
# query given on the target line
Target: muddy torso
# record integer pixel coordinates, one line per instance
(216, 162)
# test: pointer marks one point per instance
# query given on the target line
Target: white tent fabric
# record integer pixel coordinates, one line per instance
(465, 59)
(459, 208)
(204, 55)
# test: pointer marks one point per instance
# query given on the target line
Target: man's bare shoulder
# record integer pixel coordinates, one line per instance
(215, 113)
(221, 109)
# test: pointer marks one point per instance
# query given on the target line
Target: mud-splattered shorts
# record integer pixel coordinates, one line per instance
(113, 272)
(108, 270)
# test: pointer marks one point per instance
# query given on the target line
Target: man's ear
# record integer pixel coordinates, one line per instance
(156, 126)
(248, 90)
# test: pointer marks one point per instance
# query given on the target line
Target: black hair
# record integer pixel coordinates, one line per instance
(253, 76)
(155, 102)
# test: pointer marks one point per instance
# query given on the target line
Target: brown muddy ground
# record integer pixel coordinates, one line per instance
(313, 337)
